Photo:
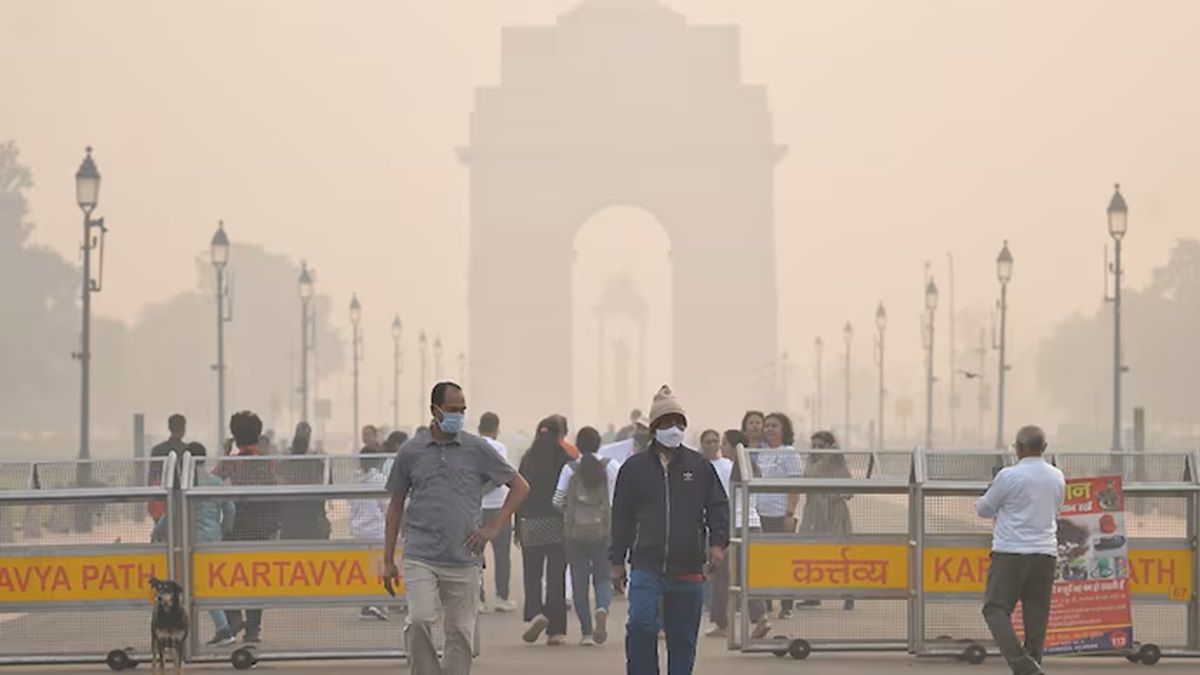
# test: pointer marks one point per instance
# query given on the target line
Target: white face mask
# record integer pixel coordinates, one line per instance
(671, 437)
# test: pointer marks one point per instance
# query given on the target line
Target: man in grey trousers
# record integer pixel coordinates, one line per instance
(1024, 501)
(445, 471)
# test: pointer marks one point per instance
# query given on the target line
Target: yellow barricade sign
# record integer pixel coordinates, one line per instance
(848, 566)
(287, 573)
(79, 578)
(1151, 572)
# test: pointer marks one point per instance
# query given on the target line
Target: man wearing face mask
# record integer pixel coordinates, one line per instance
(670, 524)
(445, 471)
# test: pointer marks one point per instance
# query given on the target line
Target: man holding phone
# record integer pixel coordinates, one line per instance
(446, 472)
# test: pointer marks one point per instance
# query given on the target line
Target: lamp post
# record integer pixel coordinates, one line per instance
(462, 368)
(818, 353)
(931, 300)
(848, 338)
(1004, 268)
(437, 358)
(423, 348)
(306, 293)
(1118, 222)
(87, 194)
(220, 258)
(357, 339)
(397, 331)
(880, 327)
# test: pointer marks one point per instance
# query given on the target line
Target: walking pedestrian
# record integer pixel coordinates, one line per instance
(1024, 501)
(670, 524)
(255, 519)
(541, 534)
(584, 493)
(778, 459)
(722, 458)
(446, 472)
(368, 516)
(493, 501)
(826, 513)
(303, 518)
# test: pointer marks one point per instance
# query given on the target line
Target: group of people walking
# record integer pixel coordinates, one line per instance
(644, 516)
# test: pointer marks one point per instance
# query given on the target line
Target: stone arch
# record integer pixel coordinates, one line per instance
(621, 102)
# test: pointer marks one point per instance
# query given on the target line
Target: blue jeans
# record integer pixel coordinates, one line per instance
(682, 605)
(588, 562)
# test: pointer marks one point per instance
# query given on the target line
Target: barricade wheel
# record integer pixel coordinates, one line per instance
(974, 655)
(781, 652)
(118, 659)
(799, 649)
(243, 659)
(1149, 655)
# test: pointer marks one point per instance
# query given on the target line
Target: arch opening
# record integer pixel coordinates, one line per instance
(622, 314)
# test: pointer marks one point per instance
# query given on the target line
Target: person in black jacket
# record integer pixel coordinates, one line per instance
(670, 524)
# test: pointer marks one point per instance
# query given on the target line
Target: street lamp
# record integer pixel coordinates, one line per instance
(848, 338)
(437, 358)
(1004, 268)
(931, 300)
(880, 327)
(219, 249)
(306, 293)
(357, 339)
(397, 331)
(422, 348)
(818, 353)
(1118, 222)
(87, 194)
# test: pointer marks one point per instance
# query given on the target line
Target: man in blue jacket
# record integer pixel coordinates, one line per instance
(670, 523)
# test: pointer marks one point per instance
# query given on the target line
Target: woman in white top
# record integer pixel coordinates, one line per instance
(779, 460)
(720, 580)
(584, 494)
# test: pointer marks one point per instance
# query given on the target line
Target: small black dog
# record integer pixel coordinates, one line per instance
(168, 625)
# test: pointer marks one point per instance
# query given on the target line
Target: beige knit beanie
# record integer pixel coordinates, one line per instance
(665, 404)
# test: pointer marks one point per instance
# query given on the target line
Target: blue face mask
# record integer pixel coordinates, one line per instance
(451, 423)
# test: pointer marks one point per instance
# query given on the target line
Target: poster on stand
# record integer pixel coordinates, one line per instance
(1090, 609)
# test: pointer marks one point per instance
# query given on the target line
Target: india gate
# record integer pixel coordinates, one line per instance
(621, 102)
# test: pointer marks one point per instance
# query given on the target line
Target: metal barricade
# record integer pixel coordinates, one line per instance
(290, 556)
(1161, 500)
(77, 557)
(953, 547)
(847, 567)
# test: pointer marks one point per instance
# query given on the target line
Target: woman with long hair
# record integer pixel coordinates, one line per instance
(584, 493)
(303, 518)
(826, 513)
(540, 534)
(778, 459)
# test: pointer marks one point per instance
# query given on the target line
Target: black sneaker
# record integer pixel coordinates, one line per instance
(223, 638)
(251, 637)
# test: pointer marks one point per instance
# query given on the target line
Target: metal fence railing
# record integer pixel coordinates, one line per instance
(290, 570)
(838, 579)
(76, 557)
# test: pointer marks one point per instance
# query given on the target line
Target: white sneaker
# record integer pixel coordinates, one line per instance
(601, 621)
(535, 628)
(504, 606)
(587, 641)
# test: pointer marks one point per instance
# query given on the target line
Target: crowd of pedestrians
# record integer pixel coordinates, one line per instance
(642, 516)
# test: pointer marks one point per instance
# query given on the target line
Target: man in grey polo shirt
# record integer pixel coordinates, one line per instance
(444, 471)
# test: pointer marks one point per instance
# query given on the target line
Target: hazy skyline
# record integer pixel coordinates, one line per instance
(327, 132)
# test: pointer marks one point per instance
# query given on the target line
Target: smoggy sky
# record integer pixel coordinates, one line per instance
(326, 131)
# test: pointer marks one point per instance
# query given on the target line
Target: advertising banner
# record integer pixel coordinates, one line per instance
(1090, 610)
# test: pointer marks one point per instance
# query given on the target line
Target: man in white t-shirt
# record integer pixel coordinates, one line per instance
(621, 450)
(489, 428)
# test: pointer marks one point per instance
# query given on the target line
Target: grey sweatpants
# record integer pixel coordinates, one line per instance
(1028, 578)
